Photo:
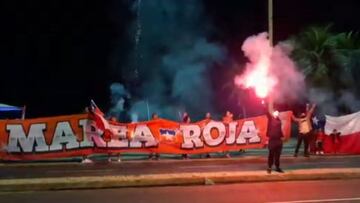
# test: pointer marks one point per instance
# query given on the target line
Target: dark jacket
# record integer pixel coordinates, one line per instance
(274, 132)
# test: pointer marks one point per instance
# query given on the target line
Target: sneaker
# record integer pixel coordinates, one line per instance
(279, 170)
(317, 153)
(207, 156)
(268, 170)
(86, 161)
(322, 152)
(185, 156)
(109, 159)
(227, 155)
(295, 155)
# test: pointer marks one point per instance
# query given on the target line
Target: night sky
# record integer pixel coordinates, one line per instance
(57, 55)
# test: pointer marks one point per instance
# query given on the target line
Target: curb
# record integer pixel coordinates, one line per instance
(164, 161)
(206, 178)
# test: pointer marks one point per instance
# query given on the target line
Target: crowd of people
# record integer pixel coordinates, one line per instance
(313, 139)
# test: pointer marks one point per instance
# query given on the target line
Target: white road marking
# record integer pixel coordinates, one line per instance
(321, 200)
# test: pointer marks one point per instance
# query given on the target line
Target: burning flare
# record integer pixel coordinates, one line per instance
(257, 74)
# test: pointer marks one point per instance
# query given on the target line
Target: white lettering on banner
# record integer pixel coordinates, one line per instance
(64, 135)
(143, 134)
(86, 140)
(232, 133)
(93, 133)
(191, 136)
(19, 141)
(209, 140)
(248, 131)
(120, 140)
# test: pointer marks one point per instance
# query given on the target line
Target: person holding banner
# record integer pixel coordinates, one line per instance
(186, 119)
(276, 139)
(152, 155)
(228, 118)
(208, 118)
(113, 119)
(305, 129)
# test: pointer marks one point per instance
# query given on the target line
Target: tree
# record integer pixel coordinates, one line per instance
(325, 58)
(331, 64)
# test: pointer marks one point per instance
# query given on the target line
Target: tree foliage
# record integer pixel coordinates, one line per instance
(327, 59)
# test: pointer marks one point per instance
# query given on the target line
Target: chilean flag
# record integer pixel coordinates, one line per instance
(101, 123)
(349, 140)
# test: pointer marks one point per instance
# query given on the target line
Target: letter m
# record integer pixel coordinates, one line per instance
(20, 142)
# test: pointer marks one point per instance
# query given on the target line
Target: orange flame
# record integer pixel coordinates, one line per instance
(259, 78)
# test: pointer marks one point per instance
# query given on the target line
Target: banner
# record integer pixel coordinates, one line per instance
(77, 135)
(348, 139)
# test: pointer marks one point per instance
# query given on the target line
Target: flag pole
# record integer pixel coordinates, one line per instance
(23, 112)
(148, 109)
(270, 21)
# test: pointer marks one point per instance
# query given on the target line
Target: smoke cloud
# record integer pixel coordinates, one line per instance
(170, 62)
(333, 104)
(279, 73)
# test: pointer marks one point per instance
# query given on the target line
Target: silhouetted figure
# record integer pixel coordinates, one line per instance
(276, 138)
(335, 136)
(208, 118)
(186, 119)
(154, 156)
(228, 118)
(305, 130)
(319, 143)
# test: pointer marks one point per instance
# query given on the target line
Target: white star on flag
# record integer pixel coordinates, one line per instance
(315, 120)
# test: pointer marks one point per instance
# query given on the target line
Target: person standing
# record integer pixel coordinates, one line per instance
(305, 129)
(113, 119)
(335, 137)
(153, 155)
(276, 139)
(320, 136)
(186, 119)
(208, 119)
(228, 118)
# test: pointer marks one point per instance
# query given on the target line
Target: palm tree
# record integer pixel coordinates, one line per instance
(324, 57)
(330, 61)
(313, 50)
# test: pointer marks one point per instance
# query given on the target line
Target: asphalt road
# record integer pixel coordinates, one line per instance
(103, 168)
(290, 192)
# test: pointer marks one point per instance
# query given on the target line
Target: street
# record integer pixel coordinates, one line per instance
(294, 191)
(103, 168)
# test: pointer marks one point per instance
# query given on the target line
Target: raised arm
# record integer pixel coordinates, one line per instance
(311, 111)
(294, 118)
(271, 107)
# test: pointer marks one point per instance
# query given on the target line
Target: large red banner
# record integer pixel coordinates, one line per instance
(77, 135)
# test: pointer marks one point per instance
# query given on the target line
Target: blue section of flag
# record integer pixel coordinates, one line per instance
(167, 132)
(318, 121)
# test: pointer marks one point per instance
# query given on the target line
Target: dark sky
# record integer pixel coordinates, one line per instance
(56, 55)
